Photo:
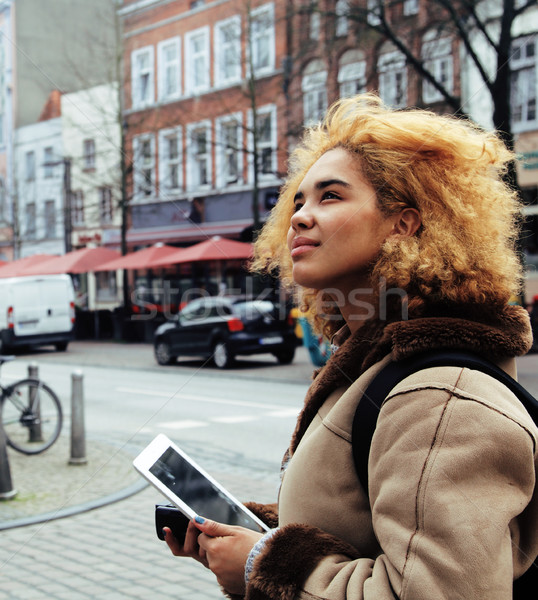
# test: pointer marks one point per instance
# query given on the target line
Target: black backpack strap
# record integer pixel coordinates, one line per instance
(365, 419)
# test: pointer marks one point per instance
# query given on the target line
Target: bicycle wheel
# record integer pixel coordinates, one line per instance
(31, 416)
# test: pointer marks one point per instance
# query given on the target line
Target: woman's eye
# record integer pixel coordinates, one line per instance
(329, 195)
(297, 206)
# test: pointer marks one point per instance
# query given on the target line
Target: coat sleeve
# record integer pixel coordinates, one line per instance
(452, 479)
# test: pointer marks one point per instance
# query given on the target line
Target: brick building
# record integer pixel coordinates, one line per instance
(203, 141)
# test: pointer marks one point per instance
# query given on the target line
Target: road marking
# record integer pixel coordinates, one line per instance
(196, 398)
(231, 420)
(287, 412)
(186, 424)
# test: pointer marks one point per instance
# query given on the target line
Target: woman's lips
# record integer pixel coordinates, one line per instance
(301, 245)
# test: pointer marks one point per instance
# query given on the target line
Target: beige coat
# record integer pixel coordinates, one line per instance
(452, 471)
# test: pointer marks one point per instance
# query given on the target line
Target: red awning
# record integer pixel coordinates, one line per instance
(143, 259)
(78, 261)
(216, 248)
(17, 267)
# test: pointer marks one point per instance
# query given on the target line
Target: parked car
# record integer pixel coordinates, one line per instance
(36, 311)
(223, 327)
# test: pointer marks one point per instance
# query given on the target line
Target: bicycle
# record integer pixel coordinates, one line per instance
(30, 414)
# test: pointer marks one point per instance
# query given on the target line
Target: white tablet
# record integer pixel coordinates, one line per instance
(189, 487)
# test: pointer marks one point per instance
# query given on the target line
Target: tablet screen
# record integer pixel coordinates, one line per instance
(187, 483)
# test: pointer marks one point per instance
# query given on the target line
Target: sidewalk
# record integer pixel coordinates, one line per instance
(106, 549)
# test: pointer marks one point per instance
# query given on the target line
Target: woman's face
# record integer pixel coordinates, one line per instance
(337, 230)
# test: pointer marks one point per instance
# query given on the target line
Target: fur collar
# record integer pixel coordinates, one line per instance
(491, 333)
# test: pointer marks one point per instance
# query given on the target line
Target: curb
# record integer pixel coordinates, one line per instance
(70, 511)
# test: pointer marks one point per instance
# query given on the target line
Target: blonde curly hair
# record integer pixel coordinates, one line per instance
(449, 170)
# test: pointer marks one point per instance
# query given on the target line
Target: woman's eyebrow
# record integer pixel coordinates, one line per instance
(320, 185)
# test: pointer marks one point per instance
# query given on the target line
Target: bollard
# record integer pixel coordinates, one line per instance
(6, 488)
(78, 438)
(34, 431)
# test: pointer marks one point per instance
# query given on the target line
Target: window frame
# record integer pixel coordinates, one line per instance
(106, 205)
(88, 154)
(389, 66)
(29, 165)
(352, 73)
(257, 15)
(30, 220)
(528, 65)
(48, 159)
(341, 25)
(137, 100)
(165, 161)
(219, 64)
(50, 219)
(268, 109)
(193, 158)
(435, 54)
(191, 85)
(163, 66)
(77, 208)
(223, 151)
(140, 166)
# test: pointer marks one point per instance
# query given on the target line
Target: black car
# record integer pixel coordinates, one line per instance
(223, 327)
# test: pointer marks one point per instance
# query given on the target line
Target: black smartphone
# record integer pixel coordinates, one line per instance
(167, 515)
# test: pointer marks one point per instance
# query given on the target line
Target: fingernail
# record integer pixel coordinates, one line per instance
(200, 520)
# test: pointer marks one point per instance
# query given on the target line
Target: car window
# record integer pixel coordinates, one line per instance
(194, 310)
(253, 309)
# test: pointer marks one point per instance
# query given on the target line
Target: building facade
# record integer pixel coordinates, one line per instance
(205, 116)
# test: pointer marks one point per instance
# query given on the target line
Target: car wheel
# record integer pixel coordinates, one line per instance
(221, 355)
(61, 346)
(163, 354)
(285, 357)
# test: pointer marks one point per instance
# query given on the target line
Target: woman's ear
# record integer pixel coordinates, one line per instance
(407, 222)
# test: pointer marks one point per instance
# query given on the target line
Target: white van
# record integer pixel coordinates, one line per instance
(36, 311)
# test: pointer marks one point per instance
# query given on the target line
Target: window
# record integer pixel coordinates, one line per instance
(524, 82)
(50, 219)
(77, 207)
(170, 161)
(315, 24)
(106, 211)
(30, 221)
(197, 60)
(314, 86)
(262, 39)
(144, 166)
(393, 79)
(142, 77)
(228, 57)
(352, 73)
(88, 155)
(410, 7)
(199, 155)
(437, 57)
(48, 162)
(375, 8)
(30, 166)
(228, 150)
(3, 203)
(266, 142)
(169, 69)
(342, 25)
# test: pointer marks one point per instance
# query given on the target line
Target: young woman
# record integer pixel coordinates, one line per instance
(399, 231)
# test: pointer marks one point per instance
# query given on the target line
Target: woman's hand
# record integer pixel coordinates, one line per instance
(222, 548)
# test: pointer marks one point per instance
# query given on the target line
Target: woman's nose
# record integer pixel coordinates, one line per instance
(302, 218)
